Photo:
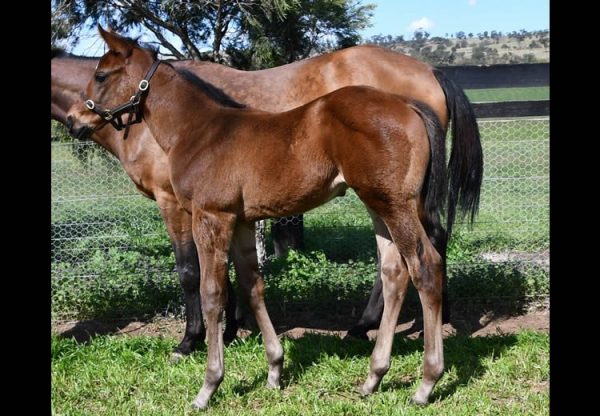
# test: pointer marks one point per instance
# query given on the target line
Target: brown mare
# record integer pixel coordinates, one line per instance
(277, 89)
(224, 168)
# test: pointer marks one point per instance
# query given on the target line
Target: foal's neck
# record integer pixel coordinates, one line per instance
(175, 109)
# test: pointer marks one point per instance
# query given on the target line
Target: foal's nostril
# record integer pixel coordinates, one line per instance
(69, 123)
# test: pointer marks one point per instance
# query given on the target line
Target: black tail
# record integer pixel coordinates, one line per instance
(435, 185)
(465, 169)
(434, 193)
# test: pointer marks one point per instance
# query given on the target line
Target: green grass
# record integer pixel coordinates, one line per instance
(509, 94)
(111, 375)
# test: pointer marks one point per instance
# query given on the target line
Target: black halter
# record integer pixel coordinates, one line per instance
(132, 107)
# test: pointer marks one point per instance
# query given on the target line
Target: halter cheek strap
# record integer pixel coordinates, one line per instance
(132, 107)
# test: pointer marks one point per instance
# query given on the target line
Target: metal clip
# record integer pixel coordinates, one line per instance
(143, 85)
(90, 104)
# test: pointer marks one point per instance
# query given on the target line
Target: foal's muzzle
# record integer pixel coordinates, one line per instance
(81, 131)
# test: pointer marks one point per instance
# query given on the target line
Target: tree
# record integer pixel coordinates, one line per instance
(478, 55)
(311, 27)
(460, 35)
(184, 29)
(192, 23)
(64, 20)
(420, 35)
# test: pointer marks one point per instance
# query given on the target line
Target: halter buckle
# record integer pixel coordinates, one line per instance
(143, 85)
(90, 104)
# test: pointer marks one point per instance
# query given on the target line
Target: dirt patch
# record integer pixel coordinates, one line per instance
(476, 326)
(541, 258)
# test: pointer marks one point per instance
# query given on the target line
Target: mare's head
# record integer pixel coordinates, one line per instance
(69, 76)
(113, 85)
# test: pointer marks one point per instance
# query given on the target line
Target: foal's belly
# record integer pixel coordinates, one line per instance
(294, 201)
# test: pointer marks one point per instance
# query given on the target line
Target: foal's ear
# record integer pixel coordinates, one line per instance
(116, 42)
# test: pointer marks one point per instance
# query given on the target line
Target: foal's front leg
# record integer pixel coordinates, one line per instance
(212, 233)
(252, 284)
(179, 227)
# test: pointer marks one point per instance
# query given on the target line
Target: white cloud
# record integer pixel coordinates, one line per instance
(423, 23)
(472, 2)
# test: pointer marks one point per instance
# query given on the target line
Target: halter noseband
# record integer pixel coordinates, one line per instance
(132, 107)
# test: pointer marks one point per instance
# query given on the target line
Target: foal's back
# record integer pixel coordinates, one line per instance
(272, 164)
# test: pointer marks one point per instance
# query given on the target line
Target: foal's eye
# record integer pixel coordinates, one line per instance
(100, 76)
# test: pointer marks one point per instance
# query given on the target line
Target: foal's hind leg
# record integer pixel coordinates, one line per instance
(426, 270)
(394, 276)
(252, 284)
(371, 316)
(212, 234)
(439, 238)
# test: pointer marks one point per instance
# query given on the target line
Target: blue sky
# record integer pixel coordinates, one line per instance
(438, 17)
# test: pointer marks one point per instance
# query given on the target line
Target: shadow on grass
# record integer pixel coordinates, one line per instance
(84, 331)
(467, 355)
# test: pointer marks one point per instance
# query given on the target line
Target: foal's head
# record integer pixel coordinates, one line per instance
(115, 81)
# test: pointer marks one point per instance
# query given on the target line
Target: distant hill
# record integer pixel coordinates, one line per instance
(485, 48)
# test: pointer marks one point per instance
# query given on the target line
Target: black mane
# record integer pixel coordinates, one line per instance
(209, 89)
(58, 52)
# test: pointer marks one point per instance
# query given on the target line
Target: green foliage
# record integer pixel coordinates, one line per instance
(307, 27)
(59, 133)
(137, 279)
(301, 277)
(123, 283)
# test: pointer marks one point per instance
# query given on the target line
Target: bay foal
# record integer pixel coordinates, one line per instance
(225, 170)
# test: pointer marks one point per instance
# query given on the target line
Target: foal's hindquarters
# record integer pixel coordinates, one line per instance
(386, 160)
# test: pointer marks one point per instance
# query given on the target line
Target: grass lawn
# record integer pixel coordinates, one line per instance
(509, 94)
(119, 375)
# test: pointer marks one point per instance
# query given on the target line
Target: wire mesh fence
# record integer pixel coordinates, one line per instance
(111, 255)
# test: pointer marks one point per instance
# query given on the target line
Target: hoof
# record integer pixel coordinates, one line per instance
(273, 386)
(196, 405)
(417, 402)
(176, 357)
(364, 391)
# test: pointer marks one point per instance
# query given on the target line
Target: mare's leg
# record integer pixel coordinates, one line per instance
(179, 227)
(213, 232)
(394, 277)
(252, 284)
(371, 316)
